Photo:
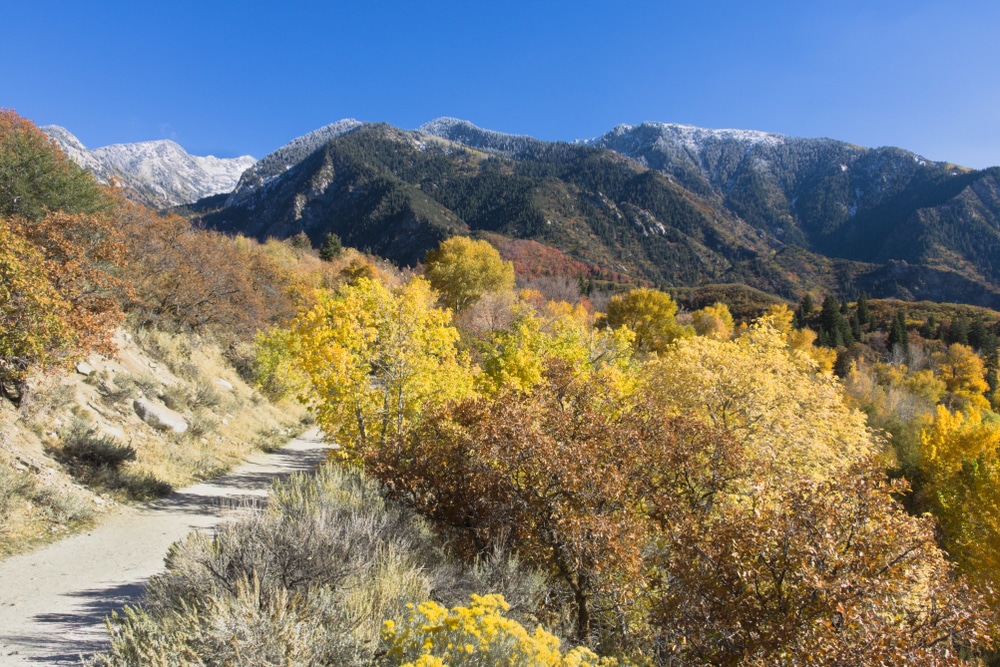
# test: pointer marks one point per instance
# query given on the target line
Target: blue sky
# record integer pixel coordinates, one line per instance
(229, 78)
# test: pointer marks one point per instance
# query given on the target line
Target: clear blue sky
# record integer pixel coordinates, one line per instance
(228, 78)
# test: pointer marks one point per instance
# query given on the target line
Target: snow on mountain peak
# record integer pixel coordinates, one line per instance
(689, 136)
(468, 134)
(277, 162)
(159, 173)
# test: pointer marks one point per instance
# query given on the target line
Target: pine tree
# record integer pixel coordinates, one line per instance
(898, 333)
(856, 328)
(864, 313)
(977, 333)
(958, 332)
(332, 248)
(929, 329)
(833, 323)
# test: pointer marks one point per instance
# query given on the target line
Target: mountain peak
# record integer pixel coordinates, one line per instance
(465, 133)
(277, 162)
(159, 173)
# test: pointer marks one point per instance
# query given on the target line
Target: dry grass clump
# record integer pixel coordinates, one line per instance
(99, 461)
(306, 581)
(32, 510)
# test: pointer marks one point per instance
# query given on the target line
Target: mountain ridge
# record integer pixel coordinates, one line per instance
(159, 173)
(659, 203)
(733, 205)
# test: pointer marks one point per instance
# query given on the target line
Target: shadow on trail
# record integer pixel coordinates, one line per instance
(248, 486)
(75, 626)
(62, 638)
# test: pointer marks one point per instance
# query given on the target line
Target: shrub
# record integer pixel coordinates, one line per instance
(477, 635)
(308, 580)
(85, 444)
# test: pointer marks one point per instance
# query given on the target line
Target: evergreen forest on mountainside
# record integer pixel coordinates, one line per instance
(586, 415)
(786, 216)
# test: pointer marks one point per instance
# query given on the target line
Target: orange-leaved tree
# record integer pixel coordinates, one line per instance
(62, 256)
(829, 572)
(551, 473)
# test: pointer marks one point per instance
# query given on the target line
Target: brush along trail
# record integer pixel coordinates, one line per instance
(53, 601)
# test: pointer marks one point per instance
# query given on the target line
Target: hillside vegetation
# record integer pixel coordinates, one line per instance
(653, 205)
(681, 487)
(521, 477)
(109, 310)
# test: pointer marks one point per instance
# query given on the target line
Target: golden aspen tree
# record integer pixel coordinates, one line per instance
(792, 418)
(651, 315)
(463, 270)
(960, 463)
(964, 374)
(377, 358)
(713, 321)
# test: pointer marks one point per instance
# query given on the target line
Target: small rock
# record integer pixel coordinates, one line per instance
(83, 368)
(128, 336)
(225, 421)
(228, 386)
(152, 364)
(159, 416)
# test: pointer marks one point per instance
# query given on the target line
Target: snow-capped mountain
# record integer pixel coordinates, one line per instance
(157, 173)
(667, 203)
(465, 133)
(277, 162)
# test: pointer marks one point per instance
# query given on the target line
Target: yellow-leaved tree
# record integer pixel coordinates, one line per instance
(463, 270)
(713, 321)
(960, 463)
(377, 358)
(964, 374)
(34, 327)
(516, 356)
(792, 418)
(651, 315)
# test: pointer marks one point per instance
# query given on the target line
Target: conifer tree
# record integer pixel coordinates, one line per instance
(977, 333)
(929, 329)
(898, 333)
(805, 309)
(834, 325)
(958, 332)
(332, 248)
(864, 313)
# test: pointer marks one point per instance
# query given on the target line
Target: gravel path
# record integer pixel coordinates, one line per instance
(53, 601)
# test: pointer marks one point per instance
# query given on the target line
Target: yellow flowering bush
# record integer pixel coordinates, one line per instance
(476, 635)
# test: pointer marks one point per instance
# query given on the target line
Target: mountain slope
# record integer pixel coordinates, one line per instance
(399, 193)
(655, 203)
(160, 174)
(827, 196)
(277, 162)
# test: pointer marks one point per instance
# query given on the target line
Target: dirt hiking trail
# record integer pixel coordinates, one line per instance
(53, 601)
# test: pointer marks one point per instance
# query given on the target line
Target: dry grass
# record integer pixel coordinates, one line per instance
(88, 449)
(33, 511)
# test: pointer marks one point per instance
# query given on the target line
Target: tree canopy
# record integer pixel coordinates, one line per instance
(463, 270)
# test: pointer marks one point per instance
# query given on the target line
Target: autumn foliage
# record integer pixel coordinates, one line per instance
(61, 256)
(77, 260)
(671, 541)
